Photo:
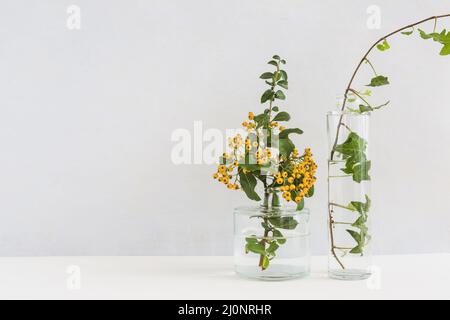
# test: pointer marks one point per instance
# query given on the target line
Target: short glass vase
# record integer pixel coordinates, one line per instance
(271, 243)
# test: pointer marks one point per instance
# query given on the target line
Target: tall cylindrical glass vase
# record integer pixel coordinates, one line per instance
(349, 198)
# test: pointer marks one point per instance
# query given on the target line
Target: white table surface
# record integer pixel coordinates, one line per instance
(400, 277)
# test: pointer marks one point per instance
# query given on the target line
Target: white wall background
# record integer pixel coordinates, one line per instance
(86, 119)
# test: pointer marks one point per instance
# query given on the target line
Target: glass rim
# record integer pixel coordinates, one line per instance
(348, 113)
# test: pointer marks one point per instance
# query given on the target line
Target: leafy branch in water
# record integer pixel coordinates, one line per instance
(353, 150)
(268, 156)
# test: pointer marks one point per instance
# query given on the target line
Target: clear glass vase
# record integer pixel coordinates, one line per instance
(349, 214)
(271, 242)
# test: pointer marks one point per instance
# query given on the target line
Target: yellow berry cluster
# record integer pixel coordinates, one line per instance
(225, 174)
(236, 142)
(297, 181)
(249, 125)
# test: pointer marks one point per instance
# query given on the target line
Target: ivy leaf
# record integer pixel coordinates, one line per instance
(286, 147)
(363, 108)
(353, 151)
(284, 84)
(248, 184)
(435, 36)
(282, 116)
(280, 95)
(361, 207)
(384, 46)
(445, 50)
(379, 81)
(354, 145)
(361, 171)
(357, 250)
(287, 223)
(268, 95)
(408, 33)
(443, 38)
(284, 134)
(355, 235)
(267, 75)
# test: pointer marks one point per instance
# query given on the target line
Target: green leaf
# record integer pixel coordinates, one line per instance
(357, 250)
(275, 109)
(266, 76)
(310, 192)
(268, 95)
(408, 33)
(273, 247)
(435, 36)
(275, 200)
(248, 183)
(255, 248)
(283, 61)
(286, 147)
(262, 120)
(284, 75)
(284, 84)
(301, 205)
(273, 63)
(355, 235)
(282, 116)
(383, 46)
(361, 207)
(288, 223)
(280, 95)
(354, 145)
(443, 38)
(278, 236)
(353, 151)
(361, 171)
(445, 50)
(379, 81)
(284, 134)
(276, 57)
(363, 108)
(252, 240)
